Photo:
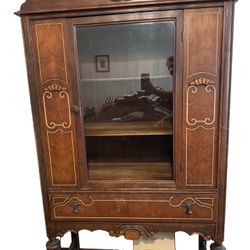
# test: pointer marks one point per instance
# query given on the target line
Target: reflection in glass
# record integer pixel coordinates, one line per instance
(127, 88)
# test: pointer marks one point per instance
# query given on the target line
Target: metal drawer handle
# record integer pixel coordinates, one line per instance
(76, 206)
(189, 207)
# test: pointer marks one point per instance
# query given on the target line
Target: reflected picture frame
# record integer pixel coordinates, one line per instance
(102, 63)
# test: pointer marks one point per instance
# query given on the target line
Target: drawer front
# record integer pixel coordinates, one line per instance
(134, 207)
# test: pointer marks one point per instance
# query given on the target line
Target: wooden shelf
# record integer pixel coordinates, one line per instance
(130, 170)
(128, 128)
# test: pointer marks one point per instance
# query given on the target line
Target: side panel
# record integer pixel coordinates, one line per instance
(202, 59)
(55, 92)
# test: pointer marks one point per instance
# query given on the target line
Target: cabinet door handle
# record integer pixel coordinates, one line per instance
(75, 109)
(189, 207)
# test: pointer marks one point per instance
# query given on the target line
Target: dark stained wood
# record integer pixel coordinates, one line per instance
(130, 207)
(51, 51)
(55, 103)
(194, 201)
(202, 46)
(36, 6)
(199, 168)
(224, 115)
(33, 88)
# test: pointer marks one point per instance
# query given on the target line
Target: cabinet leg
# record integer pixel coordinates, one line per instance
(202, 243)
(53, 244)
(75, 241)
(217, 246)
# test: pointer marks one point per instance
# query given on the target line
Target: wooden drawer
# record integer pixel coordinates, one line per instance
(134, 207)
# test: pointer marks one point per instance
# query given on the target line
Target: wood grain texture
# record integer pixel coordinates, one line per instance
(51, 51)
(200, 167)
(202, 42)
(61, 157)
(55, 102)
(202, 51)
(130, 207)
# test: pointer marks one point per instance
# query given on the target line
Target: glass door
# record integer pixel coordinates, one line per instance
(127, 86)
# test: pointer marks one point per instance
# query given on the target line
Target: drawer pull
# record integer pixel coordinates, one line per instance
(76, 206)
(189, 207)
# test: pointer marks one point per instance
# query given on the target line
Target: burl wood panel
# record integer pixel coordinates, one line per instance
(55, 102)
(51, 50)
(162, 207)
(61, 156)
(202, 58)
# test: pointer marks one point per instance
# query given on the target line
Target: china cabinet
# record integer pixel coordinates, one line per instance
(130, 102)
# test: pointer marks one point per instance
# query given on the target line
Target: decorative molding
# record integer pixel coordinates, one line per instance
(133, 232)
(193, 88)
(55, 87)
(201, 81)
(48, 95)
(116, 229)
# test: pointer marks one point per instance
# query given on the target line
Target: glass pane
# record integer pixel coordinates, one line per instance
(126, 89)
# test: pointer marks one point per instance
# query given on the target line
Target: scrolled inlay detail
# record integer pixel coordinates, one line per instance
(57, 96)
(205, 96)
(201, 81)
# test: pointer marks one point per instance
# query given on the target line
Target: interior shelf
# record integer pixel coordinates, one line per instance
(128, 128)
(130, 170)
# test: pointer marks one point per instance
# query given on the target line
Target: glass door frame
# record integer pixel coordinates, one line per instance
(141, 17)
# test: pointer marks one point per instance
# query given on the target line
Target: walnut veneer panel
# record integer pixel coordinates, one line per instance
(55, 101)
(202, 59)
(50, 41)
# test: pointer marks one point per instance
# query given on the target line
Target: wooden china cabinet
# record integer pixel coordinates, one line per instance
(130, 101)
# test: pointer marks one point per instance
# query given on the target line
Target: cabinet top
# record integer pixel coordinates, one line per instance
(48, 6)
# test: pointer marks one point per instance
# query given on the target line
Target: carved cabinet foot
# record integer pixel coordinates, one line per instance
(202, 243)
(53, 244)
(217, 246)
